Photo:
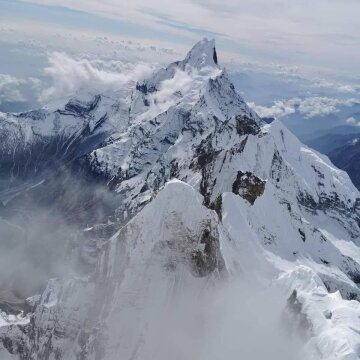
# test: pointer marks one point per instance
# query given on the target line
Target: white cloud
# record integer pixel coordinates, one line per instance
(278, 110)
(309, 107)
(324, 33)
(184, 85)
(71, 75)
(180, 83)
(352, 121)
(9, 89)
(335, 86)
(321, 106)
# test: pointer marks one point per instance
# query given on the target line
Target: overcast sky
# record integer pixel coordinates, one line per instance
(321, 33)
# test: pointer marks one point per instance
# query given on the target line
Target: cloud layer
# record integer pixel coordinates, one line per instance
(352, 121)
(324, 33)
(69, 76)
(309, 107)
(9, 88)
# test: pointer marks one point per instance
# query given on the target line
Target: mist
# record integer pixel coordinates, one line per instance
(33, 248)
(204, 319)
(232, 320)
(45, 233)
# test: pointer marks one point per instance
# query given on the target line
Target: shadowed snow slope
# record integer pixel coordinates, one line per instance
(215, 209)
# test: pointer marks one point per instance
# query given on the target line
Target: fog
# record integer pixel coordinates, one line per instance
(236, 320)
(42, 233)
(35, 245)
(249, 322)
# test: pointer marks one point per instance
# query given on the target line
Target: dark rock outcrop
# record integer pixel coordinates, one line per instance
(248, 186)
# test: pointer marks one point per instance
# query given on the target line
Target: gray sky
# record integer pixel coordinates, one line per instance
(324, 33)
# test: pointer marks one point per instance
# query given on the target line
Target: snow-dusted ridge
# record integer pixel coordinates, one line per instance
(205, 191)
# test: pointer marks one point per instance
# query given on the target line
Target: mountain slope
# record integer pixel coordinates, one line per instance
(250, 202)
(347, 158)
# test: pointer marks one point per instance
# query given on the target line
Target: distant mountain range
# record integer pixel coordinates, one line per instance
(309, 128)
(328, 140)
(348, 158)
(341, 144)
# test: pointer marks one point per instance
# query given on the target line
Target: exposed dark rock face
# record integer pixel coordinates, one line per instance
(78, 108)
(307, 201)
(40, 114)
(206, 156)
(217, 206)
(334, 206)
(248, 186)
(302, 234)
(208, 259)
(143, 88)
(215, 57)
(279, 170)
(246, 126)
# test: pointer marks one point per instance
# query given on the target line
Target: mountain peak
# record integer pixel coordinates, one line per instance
(202, 54)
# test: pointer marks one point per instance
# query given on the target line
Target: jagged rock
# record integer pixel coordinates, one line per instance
(248, 186)
(246, 125)
(206, 260)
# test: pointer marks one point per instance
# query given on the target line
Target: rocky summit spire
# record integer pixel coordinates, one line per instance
(202, 54)
(215, 56)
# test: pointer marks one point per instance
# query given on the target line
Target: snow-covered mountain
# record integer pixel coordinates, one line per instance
(206, 193)
(347, 158)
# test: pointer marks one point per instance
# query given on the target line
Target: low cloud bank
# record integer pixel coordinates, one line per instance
(236, 320)
(69, 75)
(309, 107)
